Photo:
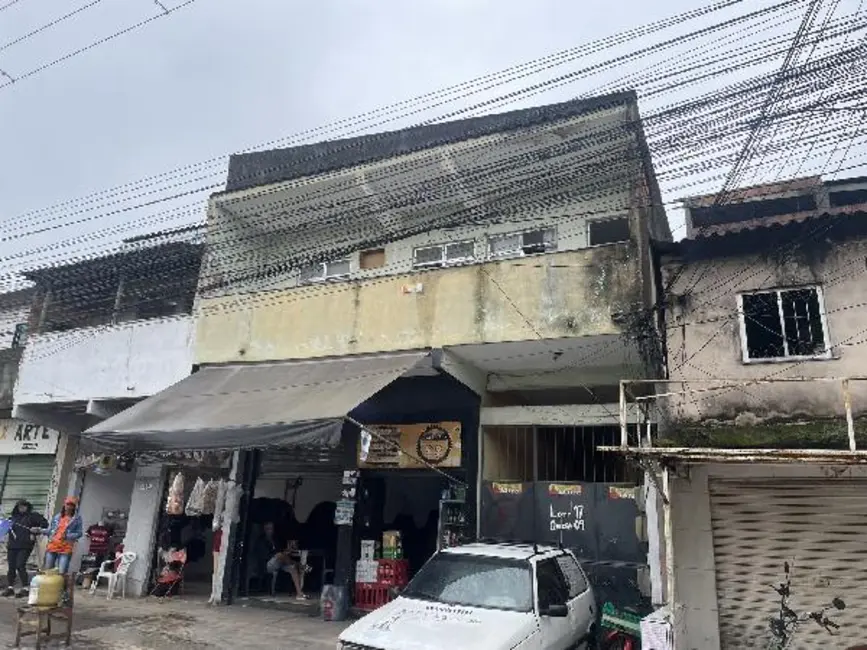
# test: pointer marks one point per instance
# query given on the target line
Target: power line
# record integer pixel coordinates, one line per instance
(94, 44)
(46, 26)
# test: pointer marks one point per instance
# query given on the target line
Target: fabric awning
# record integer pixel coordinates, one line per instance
(252, 405)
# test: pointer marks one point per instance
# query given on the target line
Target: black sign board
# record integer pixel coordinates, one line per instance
(617, 522)
(507, 511)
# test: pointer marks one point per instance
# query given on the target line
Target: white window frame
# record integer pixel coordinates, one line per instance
(603, 219)
(444, 260)
(326, 276)
(520, 233)
(823, 315)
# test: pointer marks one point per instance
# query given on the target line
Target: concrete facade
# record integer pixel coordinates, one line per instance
(705, 335)
(125, 361)
(569, 294)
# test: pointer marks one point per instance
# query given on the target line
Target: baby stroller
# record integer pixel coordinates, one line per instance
(171, 578)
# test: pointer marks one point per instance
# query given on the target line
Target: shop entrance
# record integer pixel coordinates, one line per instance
(185, 541)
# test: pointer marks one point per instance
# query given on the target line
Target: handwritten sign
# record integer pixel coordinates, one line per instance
(572, 518)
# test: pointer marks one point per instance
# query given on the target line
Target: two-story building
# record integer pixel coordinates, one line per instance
(762, 418)
(105, 333)
(26, 449)
(444, 310)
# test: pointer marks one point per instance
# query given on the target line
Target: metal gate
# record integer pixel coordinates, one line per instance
(819, 527)
(25, 477)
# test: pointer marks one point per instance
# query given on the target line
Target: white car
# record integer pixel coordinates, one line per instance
(485, 596)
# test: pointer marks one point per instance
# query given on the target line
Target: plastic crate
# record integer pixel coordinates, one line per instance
(394, 573)
(371, 595)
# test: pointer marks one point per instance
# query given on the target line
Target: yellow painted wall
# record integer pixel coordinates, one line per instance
(549, 296)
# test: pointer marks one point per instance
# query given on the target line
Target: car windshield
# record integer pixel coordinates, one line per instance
(474, 581)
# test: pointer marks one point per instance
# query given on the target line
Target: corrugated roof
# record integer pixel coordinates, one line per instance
(767, 237)
(263, 167)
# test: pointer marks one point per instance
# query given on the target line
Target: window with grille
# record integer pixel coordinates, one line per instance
(336, 270)
(529, 242)
(783, 324)
(444, 254)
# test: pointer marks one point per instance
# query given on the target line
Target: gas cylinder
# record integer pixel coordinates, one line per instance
(46, 589)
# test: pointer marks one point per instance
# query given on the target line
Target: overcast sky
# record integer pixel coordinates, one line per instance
(219, 76)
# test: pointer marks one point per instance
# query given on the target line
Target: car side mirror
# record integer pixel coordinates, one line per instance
(556, 611)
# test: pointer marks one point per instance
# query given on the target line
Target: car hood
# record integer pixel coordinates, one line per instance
(408, 624)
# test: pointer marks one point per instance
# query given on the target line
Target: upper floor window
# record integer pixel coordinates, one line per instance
(608, 231)
(529, 242)
(335, 270)
(783, 324)
(443, 254)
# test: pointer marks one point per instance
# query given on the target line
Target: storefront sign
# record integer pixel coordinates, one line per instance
(405, 446)
(17, 437)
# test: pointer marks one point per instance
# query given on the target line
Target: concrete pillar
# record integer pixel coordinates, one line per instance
(64, 473)
(141, 531)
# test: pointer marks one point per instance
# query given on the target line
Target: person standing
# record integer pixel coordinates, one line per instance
(20, 544)
(65, 530)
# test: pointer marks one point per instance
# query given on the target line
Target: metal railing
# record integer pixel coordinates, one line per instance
(642, 401)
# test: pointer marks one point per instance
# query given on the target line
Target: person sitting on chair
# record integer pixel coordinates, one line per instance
(287, 560)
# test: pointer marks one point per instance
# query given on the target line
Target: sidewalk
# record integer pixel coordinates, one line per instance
(188, 623)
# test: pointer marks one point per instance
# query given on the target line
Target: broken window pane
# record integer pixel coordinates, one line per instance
(762, 324)
(781, 324)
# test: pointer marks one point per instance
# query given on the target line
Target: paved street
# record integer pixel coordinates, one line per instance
(142, 624)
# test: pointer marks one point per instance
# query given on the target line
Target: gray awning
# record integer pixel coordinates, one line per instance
(253, 405)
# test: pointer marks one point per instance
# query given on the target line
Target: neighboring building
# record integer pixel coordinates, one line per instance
(471, 292)
(106, 333)
(762, 427)
(26, 449)
(774, 203)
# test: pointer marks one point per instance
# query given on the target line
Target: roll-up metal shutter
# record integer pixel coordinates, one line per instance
(302, 461)
(26, 477)
(819, 527)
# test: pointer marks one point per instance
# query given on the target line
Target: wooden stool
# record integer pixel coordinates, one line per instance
(40, 619)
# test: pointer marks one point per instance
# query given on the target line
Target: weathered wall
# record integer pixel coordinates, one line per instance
(558, 295)
(9, 360)
(704, 339)
(129, 360)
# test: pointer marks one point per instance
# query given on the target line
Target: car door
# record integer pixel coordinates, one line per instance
(552, 589)
(582, 606)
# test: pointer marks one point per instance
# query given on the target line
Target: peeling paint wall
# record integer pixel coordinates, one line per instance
(704, 338)
(548, 296)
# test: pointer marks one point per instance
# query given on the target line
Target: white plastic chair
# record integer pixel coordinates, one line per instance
(126, 560)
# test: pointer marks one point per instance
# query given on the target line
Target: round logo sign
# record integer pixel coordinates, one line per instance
(434, 445)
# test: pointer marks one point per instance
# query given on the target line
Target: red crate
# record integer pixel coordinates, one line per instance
(371, 595)
(394, 573)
